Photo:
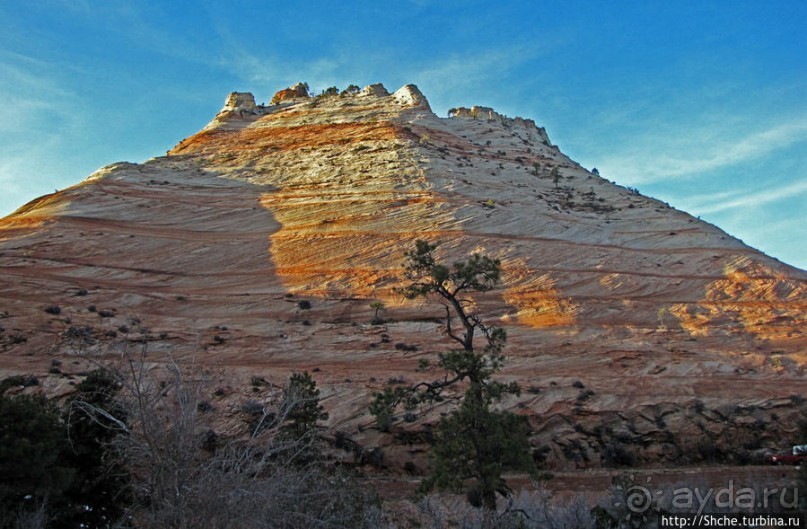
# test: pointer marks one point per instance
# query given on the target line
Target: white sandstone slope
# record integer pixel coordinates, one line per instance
(678, 332)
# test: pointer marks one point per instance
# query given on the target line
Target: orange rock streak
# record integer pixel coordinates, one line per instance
(286, 138)
(538, 301)
(751, 298)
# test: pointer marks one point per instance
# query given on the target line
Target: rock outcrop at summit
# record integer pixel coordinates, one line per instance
(411, 95)
(239, 101)
(376, 90)
(258, 245)
(293, 92)
(488, 114)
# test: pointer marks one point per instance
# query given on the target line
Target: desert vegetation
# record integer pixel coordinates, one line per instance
(131, 448)
(134, 447)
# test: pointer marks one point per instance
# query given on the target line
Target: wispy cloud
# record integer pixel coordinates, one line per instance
(270, 73)
(747, 199)
(443, 78)
(265, 69)
(689, 152)
(29, 84)
(764, 228)
(440, 74)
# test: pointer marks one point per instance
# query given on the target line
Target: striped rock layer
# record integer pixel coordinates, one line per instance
(256, 247)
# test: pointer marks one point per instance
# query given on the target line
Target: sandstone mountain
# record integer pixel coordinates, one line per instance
(255, 248)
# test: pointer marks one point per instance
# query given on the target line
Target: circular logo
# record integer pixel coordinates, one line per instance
(635, 502)
(638, 499)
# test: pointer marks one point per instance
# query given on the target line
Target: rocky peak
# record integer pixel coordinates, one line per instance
(239, 101)
(410, 95)
(376, 89)
(476, 112)
(300, 88)
(293, 92)
(488, 114)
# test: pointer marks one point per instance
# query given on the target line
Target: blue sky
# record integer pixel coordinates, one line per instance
(701, 104)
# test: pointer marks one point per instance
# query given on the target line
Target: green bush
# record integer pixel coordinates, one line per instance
(59, 464)
(32, 471)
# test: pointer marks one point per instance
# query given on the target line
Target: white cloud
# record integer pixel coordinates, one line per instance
(272, 74)
(443, 77)
(30, 82)
(687, 153)
(747, 198)
(766, 230)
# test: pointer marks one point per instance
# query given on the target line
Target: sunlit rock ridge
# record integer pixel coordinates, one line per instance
(256, 246)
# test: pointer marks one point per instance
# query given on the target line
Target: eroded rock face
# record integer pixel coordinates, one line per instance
(259, 244)
(476, 112)
(411, 95)
(239, 101)
(376, 89)
(293, 92)
(488, 114)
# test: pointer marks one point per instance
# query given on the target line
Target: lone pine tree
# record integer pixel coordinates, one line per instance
(474, 441)
(301, 412)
